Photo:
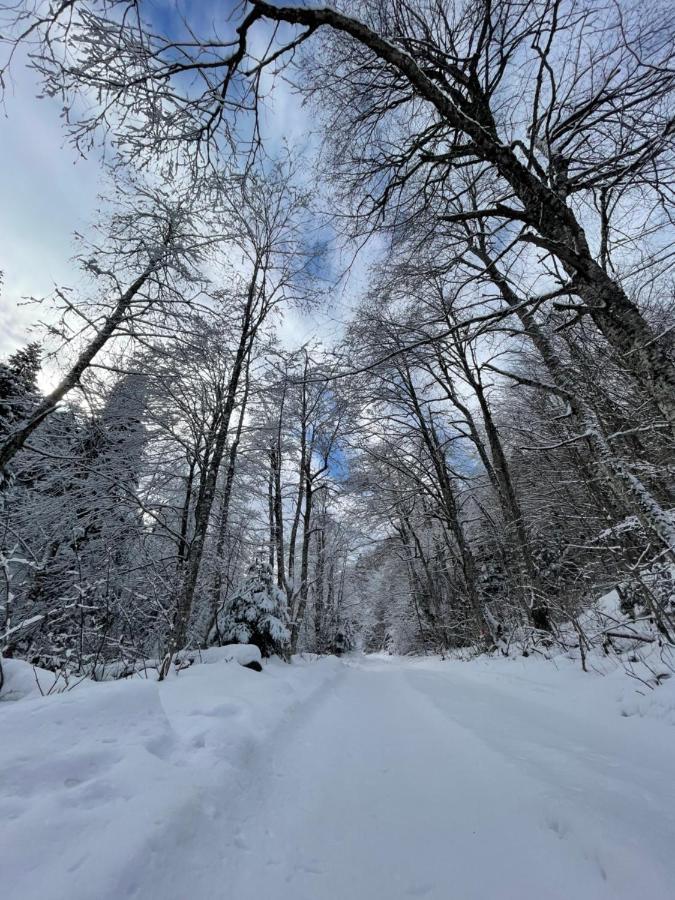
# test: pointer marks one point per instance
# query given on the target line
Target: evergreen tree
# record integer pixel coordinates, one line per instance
(86, 536)
(342, 640)
(18, 385)
(256, 614)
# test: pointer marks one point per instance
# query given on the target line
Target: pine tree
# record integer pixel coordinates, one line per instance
(342, 640)
(256, 614)
(18, 385)
(85, 535)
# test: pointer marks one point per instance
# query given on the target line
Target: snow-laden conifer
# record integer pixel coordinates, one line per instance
(256, 613)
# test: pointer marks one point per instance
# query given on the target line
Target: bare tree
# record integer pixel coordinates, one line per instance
(556, 105)
(267, 213)
(152, 243)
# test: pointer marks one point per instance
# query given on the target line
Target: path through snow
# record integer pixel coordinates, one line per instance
(399, 780)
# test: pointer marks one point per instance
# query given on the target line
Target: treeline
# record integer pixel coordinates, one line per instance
(190, 467)
(490, 443)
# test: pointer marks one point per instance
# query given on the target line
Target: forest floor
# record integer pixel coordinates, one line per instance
(369, 778)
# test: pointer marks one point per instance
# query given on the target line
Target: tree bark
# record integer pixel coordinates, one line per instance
(301, 484)
(216, 594)
(300, 607)
(319, 585)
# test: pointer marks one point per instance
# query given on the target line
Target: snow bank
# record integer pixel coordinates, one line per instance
(99, 781)
(637, 664)
(23, 680)
(240, 653)
(606, 692)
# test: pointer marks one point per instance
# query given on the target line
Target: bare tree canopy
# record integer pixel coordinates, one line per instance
(488, 437)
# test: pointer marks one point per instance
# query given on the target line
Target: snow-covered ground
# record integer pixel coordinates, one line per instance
(363, 779)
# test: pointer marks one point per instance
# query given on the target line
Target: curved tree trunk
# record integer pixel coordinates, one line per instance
(553, 223)
(19, 435)
(625, 483)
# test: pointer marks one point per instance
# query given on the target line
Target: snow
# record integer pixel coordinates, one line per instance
(22, 680)
(102, 783)
(241, 653)
(364, 778)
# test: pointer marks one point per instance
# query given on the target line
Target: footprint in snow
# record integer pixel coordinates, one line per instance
(420, 890)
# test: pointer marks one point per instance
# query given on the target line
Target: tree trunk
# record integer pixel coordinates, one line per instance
(185, 515)
(299, 609)
(301, 487)
(319, 585)
(216, 594)
(271, 541)
(534, 599)
(185, 595)
(626, 485)
(19, 435)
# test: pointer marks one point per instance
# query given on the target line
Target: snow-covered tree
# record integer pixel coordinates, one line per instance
(490, 443)
(256, 614)
(18, 385)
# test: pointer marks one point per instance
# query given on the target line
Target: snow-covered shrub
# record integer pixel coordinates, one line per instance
(256, 614)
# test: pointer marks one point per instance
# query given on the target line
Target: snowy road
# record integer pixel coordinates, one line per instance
(372, 779)
(400, 782)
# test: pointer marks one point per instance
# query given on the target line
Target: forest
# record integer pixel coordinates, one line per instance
(481, 444)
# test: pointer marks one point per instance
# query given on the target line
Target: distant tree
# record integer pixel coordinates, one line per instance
(268, 211)
(342, 641)
(18, 385)
(73, 507)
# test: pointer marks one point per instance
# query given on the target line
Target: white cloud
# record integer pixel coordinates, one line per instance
(47, 191)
